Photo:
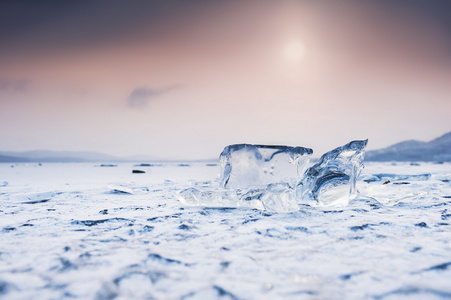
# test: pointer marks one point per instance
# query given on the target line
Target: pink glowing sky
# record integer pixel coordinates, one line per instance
(182, 79)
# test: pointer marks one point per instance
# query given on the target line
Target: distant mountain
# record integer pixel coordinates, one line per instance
(8, 158)
(412, 150)
(65, 156)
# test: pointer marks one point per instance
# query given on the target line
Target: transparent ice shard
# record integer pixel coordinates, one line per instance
(246, 165)
(128, 189)
(333, 179)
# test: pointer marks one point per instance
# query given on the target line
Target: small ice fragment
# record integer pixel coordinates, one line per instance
(245, 165)
(120, 189)
(333, 179)
(108, 165)
(397, 177)
(190, 196)
(36, 198)
(4, 183)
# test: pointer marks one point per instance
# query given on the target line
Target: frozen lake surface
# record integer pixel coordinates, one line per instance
(66, 232)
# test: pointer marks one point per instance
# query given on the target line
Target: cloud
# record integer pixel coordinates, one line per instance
(140, 96)
(14, 85)
(30, 27)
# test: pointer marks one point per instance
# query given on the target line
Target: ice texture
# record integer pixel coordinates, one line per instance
(333, 179)
(246, 166)
(277, 197)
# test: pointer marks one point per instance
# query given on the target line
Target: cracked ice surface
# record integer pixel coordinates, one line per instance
(76, 231)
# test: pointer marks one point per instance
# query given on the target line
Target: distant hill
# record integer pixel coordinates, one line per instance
(8, 158)
(65, 156)
(412, 150)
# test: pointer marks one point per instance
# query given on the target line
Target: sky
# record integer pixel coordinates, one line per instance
(180, 79)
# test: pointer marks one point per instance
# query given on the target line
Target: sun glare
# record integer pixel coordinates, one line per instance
(294, 51)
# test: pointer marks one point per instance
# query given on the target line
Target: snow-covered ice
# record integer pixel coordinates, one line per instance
(85, 232)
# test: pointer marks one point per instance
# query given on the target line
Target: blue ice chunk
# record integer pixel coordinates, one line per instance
(333, 179)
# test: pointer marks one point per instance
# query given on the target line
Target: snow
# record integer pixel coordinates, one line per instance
(89, 232)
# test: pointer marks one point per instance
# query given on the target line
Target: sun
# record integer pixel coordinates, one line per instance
(294, 51)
